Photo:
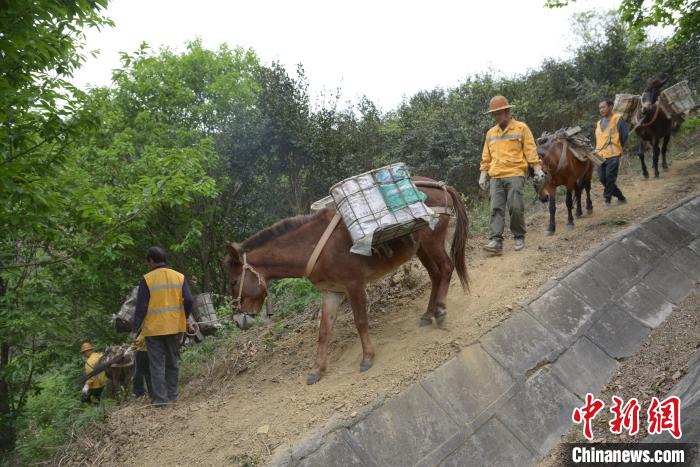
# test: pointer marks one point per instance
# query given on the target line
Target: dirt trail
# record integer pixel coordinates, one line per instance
(222, 427)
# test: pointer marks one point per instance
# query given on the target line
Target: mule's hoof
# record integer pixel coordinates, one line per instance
(665, 167)
(365, 365)
(646, 174)
(656, 175)
(548, 233)
(579, 214)
(569, 226)
(312, 378)
(589, 210)
(440, 319)
(424, 321)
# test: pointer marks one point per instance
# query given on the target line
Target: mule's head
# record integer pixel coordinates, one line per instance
(550, 159)
(122, 355)
(248, 286)
(651, 93)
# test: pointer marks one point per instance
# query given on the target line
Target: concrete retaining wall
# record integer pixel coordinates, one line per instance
(507, 399)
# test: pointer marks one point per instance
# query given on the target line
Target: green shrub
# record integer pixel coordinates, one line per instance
(691, 125)
(293, 296)
(51, 415)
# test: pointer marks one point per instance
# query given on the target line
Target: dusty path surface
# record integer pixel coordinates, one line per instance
(228, 418)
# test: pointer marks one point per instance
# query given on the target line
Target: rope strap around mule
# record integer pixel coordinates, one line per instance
(440, 186)
(321, 244)
(562, 157)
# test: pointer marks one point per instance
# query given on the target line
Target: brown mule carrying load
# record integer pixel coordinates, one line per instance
(573, 139)
(380, 205)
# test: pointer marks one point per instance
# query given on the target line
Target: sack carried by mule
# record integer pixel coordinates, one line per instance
(205, 314)
(380, 205)
(575, 141)
(124, 319)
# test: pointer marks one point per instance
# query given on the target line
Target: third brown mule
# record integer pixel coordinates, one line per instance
(568, 171)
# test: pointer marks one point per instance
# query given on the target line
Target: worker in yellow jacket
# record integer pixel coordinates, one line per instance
(509, 149)
(92, 390)
(163, 303)
(611, 134)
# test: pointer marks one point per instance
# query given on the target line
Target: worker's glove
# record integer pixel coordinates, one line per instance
(86, 389)
(539, 175)
(484, 181)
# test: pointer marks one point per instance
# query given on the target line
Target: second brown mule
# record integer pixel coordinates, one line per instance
(283, 250)
(568, 171)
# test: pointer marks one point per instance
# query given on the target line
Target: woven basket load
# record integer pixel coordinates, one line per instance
(626, 105)
(380, 205)
(678, 99)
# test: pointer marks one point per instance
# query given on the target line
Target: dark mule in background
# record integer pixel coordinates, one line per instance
(568, 171)
(283, 250)
(654, 127)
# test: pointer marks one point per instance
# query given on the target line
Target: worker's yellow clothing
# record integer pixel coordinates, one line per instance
(607, 141)
(97, 381)
(509, 152)
(166, 307)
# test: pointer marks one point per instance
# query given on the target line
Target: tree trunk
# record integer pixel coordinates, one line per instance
(7, 422)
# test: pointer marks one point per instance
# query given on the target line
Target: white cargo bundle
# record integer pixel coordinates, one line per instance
(364, 209)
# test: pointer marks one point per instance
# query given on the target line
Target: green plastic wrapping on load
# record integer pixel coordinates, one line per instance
(401, 194)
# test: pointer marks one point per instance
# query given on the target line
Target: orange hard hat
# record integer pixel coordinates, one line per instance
(85, 347)
(498, 103)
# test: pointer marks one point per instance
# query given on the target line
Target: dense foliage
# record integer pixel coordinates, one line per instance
(192, 150)
(682, 16)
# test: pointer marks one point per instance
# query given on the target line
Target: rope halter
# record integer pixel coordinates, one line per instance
(246, 267)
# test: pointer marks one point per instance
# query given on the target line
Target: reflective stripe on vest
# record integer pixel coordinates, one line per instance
(165, 308)
(166, 311)
(511, 136)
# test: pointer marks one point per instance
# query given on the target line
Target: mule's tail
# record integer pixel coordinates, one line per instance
(459, 241)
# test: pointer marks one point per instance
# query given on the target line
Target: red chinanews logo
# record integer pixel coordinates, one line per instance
(661, 416)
